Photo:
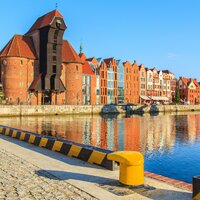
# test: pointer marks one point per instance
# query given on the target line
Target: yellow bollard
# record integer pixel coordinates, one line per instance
(131, 167)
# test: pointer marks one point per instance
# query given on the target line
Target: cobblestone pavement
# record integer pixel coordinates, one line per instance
(19, 180)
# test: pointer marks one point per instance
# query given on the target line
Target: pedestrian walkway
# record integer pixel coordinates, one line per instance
(29, 172)
(18, 180)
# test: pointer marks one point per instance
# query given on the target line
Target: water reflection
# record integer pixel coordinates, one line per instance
(138, 133)
(170, 142)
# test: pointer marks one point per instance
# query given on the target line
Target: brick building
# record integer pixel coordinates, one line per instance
(189, 90)
(131, 83)
(171, 84)
(19, 63)
(108, 81)
(143, 84)
(88, 82)
(42, 68)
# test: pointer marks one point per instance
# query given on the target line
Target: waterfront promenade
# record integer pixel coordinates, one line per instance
(19, 180)
(29, 172)
(41, 110)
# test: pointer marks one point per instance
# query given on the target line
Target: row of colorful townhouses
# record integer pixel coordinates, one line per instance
(40, 67)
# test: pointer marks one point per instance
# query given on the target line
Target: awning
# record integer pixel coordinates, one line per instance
(145, 97)
(159, 98)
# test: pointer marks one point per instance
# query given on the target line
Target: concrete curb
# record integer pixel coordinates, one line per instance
(85, 153)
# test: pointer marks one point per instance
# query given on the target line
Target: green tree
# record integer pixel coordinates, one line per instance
(177, 96)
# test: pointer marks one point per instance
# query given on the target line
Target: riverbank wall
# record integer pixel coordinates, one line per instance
(29, 110)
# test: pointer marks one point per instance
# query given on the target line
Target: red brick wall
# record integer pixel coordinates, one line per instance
(131, 83)
(73, 83)
(103, 83)
(93, 89)
(17, 75)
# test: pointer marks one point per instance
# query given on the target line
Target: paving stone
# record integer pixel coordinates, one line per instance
(19, 180)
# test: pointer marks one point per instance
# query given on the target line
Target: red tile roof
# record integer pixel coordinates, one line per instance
(69, 54)
(196, 83)
(45, 20)
(19, 46)
(185, 80)
(87, 69)
(82, 56)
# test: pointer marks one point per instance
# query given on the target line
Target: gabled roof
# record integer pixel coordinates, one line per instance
(185, 80)
(135, 63)
(45, 20)
(167, 71)
(87, 69)
(196, 83)
(141, 66)
(90, 59)
(127, 63)
(99, 59)
(108, 60)
(19, 46)
(153, 69)
(69, 54)
(82, 56)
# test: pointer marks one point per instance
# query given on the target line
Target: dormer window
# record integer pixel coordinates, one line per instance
(58, 23)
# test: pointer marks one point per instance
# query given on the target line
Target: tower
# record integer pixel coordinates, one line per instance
(47, 33)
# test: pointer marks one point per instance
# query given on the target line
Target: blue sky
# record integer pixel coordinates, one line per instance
(161, 34)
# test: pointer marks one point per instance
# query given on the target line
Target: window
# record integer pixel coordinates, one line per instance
(21, 62)
(54, 58)
(88, 80)
(54, 48)
(21, 84)
(54, 69)
(142, 74)
(56, 36)
(76, 67)
(83, 81)
(143, 86)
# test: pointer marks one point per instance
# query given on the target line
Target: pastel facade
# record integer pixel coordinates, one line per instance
(150, 85)
(120, 81)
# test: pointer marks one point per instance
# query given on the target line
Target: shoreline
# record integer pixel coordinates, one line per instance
(43, 110)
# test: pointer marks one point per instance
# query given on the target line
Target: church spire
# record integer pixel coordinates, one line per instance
(81, 48)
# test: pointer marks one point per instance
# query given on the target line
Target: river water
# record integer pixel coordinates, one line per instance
(169, 142)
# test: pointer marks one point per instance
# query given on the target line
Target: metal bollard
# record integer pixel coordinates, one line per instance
(196, 188)
(131, 167)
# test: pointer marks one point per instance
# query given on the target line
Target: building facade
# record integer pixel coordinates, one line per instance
(120, 81)
(108, 81)
(41, 67)
(189, 90)
(131, 83)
